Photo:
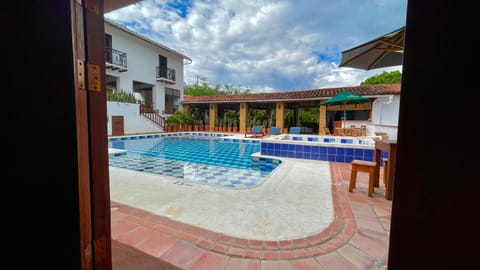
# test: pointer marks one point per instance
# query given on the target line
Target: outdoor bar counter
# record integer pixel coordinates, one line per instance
(390, 148)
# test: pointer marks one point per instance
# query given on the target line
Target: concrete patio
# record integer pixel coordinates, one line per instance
(288, 222)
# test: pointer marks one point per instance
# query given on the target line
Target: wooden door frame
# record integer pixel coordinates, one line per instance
(91, 111)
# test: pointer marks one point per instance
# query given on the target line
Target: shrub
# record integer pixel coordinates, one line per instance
(120, 96)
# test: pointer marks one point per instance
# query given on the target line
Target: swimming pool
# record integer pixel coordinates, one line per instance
(213, 160)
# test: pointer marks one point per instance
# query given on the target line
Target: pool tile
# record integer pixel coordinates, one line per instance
(205, 173)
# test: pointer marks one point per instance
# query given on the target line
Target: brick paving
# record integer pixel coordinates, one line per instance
(357, 238)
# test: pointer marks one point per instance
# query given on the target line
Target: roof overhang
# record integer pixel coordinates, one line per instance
(111, 5)
(154, 43)
(274, 100)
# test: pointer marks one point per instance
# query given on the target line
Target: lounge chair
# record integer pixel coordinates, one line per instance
(294, 130)
(257, 131)
(275, 131)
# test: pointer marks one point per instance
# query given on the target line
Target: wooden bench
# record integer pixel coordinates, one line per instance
(363, 166)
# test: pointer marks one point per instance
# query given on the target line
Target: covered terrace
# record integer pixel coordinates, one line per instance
(276, 104)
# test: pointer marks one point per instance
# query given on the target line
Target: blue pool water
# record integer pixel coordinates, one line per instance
(215, 161)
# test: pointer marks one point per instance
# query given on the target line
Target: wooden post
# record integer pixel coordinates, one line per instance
(322, 120)
(243, 117)
(213, 110)
(280, 115)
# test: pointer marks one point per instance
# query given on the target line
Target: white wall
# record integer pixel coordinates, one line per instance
(142, 60)
(133, 122)
(385, 110)
(384, 117)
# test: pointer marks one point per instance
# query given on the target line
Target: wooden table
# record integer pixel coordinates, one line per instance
(389, 146)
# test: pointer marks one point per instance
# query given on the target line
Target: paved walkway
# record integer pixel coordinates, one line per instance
(355, 237)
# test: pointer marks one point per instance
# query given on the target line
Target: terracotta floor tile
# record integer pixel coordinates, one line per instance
(269, 255)
(301, 253)
(241, 242)
(255, 244)
(370, 243)
(121, 227)
(334, 261)
(362, 210)
(285, 254)
(166, 229)
(286, 244)
(357, 257)
(182, 254)
(235, 251)
(210, 261)
(252, 253)
(243, 264)
(135, 236)
(356, 239)
(157, 244)
(368, 224)
(140, 221)
(306, 264)
(275, 265)
(116, 216)
(207, 244)
(220, 248)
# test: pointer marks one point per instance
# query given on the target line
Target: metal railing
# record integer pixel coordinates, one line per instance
(146, 110)
(115, 57)
(170, 74)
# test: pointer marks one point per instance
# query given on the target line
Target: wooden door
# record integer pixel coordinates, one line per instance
(118, 125)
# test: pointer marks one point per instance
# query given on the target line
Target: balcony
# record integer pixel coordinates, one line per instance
(115, 60)
(166, 76)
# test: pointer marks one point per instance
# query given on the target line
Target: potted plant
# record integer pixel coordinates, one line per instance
(206, 125)
(172, 122)
(235, 125)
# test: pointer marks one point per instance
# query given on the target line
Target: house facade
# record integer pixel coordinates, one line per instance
(148, 69)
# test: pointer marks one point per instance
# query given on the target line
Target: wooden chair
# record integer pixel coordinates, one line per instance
(357, 132)
(363, 166)
(363, 130)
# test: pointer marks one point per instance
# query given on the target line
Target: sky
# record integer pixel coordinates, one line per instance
(266, 45)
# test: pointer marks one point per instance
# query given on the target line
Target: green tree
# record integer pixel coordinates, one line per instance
(384, 77)
(309, 115)
(228, 89)
(202, 88)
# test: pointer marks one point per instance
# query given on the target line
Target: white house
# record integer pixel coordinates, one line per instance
(146, 68)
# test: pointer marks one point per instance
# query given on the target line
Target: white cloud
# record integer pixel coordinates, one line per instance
(267, 45)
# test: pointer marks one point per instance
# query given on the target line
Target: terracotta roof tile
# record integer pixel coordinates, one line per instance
(314, 94)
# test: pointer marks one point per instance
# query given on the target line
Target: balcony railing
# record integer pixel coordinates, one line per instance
(116, 58)
(168, 77)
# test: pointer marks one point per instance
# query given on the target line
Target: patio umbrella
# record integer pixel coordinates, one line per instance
(344, 98)
(384, 51)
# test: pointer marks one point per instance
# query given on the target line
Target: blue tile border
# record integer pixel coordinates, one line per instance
(337, 153)
(175, 134)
